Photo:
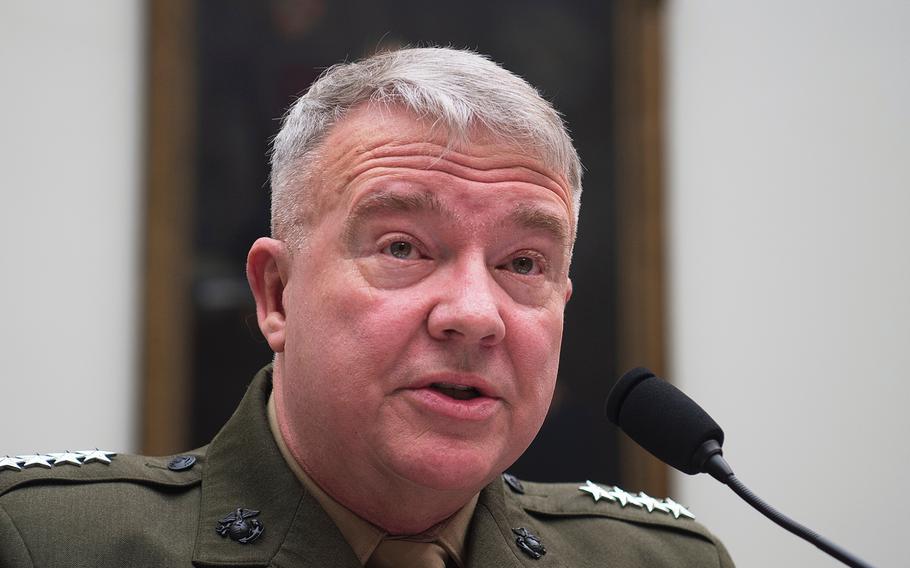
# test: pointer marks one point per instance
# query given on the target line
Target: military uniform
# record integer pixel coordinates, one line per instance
(165, 511)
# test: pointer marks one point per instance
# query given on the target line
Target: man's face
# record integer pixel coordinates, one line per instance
(424, 310)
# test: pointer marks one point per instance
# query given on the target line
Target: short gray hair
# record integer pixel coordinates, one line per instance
(459, 89)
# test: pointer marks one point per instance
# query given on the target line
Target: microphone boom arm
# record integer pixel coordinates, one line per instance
(720, 470)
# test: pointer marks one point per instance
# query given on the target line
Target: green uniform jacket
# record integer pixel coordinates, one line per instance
(137, 512)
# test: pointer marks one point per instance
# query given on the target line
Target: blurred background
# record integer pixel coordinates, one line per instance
(743, 230)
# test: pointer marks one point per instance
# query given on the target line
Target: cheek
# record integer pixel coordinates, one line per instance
(538, 334)
(535, 341)
(343, 324)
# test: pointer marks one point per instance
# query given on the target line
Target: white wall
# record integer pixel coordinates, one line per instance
(789, 203)
(69, 224)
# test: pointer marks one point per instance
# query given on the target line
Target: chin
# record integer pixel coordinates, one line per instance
(450, 469)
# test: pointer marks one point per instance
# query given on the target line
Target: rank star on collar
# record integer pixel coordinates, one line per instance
(66, 457)
(649, 503)
(96, 455)
(10, 463)
(677, 509)
(619, 495)
(596, 491)
(642, 500)
(35, 460)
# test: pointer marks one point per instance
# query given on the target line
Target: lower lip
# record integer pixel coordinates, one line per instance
(474, 410)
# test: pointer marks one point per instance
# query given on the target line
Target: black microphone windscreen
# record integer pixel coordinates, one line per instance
(662, 419)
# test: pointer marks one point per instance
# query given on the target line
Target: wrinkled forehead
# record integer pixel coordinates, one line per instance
(370, 119)
(370, 133)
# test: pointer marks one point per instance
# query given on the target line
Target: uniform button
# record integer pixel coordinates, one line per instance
(514, 483)
(181, 463)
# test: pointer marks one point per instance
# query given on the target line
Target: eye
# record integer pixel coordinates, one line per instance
(523, 264)
(401, 249)
(526, 264)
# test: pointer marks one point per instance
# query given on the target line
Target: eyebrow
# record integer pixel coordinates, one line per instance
(524, 215)
(387, 202)
(536, 219)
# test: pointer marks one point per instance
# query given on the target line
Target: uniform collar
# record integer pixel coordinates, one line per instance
(245, 469)
(362, 535)
(491, 541)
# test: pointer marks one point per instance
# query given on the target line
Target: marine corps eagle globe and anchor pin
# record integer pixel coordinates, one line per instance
(240, 526)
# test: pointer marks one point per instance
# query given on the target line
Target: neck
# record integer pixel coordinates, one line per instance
(392, 503)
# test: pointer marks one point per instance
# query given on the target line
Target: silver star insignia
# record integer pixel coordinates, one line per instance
(66, 457)
(677, 509)
(651, 503)
(645, 500)
(635, 500)
(35, 460)
(10, 463)
(96, 455)
(619, 495)
(596, 491)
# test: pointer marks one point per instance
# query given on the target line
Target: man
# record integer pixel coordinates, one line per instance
(424, 210)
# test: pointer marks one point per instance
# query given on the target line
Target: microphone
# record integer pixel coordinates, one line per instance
(676, 430)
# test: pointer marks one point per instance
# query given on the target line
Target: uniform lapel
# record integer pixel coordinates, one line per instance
(244, 469)
(491, 541)
(489, 538)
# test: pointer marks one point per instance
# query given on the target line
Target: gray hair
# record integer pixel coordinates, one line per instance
(459, 89)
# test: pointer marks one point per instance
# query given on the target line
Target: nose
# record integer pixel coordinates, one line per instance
(467, 308)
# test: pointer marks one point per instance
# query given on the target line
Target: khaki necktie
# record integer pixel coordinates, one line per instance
(393, 553)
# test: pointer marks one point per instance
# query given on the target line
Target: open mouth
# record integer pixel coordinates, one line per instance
(458, 392)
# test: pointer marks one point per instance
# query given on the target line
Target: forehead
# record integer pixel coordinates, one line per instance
(379, 141)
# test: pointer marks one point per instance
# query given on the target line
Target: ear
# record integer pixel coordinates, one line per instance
(267, 272)
(568, 289)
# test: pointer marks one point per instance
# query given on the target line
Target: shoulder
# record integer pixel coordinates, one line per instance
(97, 470)
(608, 523)
(90, 503)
